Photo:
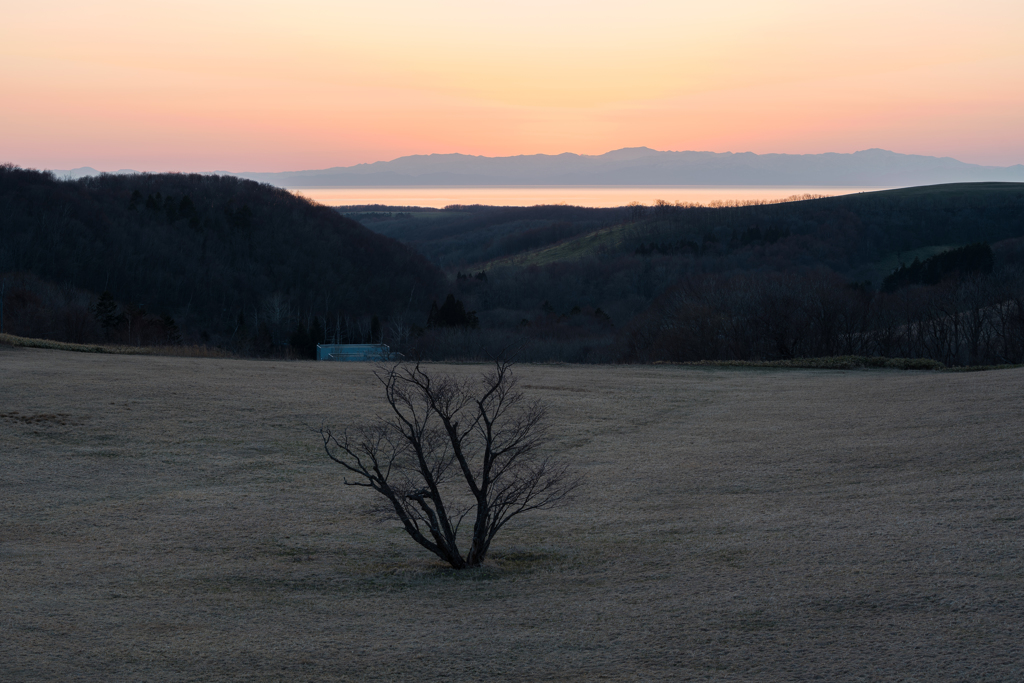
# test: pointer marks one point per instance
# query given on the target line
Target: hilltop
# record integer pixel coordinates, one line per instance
(207, 259)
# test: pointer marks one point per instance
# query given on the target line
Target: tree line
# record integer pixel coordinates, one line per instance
(967, 319)
(231, 262)
(158, 259)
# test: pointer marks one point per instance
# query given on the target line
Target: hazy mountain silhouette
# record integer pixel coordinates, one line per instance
(643, 166)
(87, 172)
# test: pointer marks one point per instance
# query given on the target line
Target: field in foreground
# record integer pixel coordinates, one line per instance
(172, 519)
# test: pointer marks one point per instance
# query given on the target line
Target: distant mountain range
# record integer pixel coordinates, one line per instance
(86, 172)
(641, 166)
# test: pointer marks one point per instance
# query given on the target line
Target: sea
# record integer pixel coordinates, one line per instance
(590, 196)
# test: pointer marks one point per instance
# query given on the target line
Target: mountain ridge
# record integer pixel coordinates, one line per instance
(639, 166)
(644, 166)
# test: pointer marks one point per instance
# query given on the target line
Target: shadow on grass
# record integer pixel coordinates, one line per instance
(315, 572)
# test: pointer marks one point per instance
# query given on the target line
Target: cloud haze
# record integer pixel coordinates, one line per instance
(261, 86)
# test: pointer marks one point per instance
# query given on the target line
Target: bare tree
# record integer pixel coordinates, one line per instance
(454, 451)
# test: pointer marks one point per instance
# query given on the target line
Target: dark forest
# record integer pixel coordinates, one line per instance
(164, 259)
(201, 259)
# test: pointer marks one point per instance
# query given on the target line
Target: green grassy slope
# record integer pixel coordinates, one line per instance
(865, 235)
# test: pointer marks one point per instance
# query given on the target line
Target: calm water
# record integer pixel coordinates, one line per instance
(438, 197)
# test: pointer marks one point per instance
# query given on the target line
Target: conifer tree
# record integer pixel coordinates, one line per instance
(106, 312)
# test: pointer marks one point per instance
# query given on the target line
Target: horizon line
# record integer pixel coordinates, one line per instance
(516, 156)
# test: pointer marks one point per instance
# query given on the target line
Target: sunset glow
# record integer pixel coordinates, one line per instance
(263, 86)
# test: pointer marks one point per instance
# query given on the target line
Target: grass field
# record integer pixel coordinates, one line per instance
(580, 246)
(172, 519)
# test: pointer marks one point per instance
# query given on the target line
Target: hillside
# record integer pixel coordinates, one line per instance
(590, 284)
(464, 236)
(844, 233)
(215, 259)
(166, 259)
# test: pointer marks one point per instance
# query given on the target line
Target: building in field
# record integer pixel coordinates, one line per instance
(353, 352)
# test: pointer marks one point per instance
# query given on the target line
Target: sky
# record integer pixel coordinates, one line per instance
(272, 86)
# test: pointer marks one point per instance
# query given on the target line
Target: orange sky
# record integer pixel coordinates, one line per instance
(271, 86)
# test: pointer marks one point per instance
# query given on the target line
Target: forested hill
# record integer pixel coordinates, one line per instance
(932, 272)
(226, 259)
(462, 236)
(748, 281)
(843, 233)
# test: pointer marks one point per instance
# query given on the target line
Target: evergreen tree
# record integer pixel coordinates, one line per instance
(106, 312)
(317, 335)
(186, 209)
(172, 335)
(302, 345)
(171, 209)
(452, 313)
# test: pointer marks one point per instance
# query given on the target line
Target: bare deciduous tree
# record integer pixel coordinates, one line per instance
(454, 451)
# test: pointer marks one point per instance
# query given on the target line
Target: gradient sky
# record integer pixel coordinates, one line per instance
(272, 86)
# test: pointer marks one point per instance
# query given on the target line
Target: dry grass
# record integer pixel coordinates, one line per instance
(186, 351)
(171, 519)
(831, 363)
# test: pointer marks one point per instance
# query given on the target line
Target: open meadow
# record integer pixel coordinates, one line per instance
(176, 519)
